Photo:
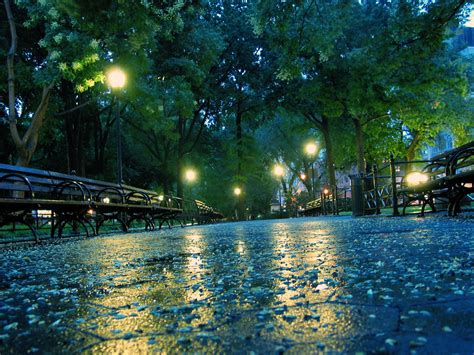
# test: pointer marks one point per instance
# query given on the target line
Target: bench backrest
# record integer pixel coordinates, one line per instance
(21, 182)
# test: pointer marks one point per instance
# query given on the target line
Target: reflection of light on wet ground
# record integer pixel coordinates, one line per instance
(240, 247)
(266, 287)
(240, 239)
(194, 268)
(193, 248)
(299, 261)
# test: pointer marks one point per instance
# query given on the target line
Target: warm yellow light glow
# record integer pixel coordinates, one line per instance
(303, 176)
(325, 191)
(106, 200)
(278, 170)
(44, 213)
(311, 148)
(416, 178)
(90, 211)
(190, 175)
(161, 197)
(116, 78)
(237, 191)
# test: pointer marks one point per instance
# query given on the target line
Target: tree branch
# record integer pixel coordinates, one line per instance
(374, 118)
(39, 114)
(11, 77)
(74, 108)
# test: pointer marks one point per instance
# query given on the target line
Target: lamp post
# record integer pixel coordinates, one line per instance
(237, 193)
(278, 171)
(311, 149)
(190, 175)
(116, 79)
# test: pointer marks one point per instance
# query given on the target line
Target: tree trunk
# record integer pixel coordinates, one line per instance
(29, 142)
(75, 127)
(359, 142)
(166, 183)
(239, 137)
(329, 150)
(179, 180)
(25, 145)
(412, 148)
(179, 160)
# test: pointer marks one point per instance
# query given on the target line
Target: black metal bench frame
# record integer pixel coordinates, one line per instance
(76, 200)
(451, 179)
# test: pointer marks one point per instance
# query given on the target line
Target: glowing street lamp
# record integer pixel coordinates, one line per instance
(278, 171)
(116, 79)
(190, 175)
(237, 191)
(311, 149)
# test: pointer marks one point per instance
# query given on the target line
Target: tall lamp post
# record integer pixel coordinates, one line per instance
(116, 79)
(278, 171)
(238, 193)
(190, 176)
(311, 149)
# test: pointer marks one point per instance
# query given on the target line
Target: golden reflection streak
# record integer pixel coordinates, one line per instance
(311, 245)
(240, 245)
(298, 252)
(194, 246)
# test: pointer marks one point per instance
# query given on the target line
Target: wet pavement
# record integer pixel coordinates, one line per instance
(303, 285)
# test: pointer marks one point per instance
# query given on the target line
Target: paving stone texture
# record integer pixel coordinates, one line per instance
(306, 285)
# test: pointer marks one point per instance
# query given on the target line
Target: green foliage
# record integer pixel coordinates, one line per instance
(231, 87)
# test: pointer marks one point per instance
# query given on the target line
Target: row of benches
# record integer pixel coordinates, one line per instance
(329, 202)
(444, 181)
(35, 197)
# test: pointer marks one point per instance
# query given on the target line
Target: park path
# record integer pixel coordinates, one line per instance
(301, 285)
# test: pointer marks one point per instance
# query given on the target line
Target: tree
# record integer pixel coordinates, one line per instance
(345, 58)
(67, 46)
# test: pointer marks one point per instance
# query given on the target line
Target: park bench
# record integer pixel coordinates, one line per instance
(195, 211)
(33, 197)
(444, 181)
(449, 179)
(331, 201)
(312, 208)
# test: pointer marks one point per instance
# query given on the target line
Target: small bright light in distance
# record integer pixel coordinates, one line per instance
(325, 191)
(116, 78)
(311, 148)
(237, 191)
(303, 176)
(416, 178)
(278, 170)
(190, 175)
(106, 200)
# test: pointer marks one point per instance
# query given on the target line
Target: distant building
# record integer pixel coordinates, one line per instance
(465, 41)
(444, 141)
